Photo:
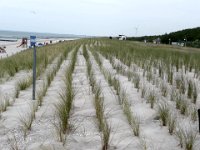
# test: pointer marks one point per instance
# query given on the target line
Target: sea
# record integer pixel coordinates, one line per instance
(6, 35)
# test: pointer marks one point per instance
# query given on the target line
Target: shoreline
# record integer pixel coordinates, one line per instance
(11, 46)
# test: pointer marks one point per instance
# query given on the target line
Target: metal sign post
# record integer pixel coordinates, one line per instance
(199, 118)
(33, 42)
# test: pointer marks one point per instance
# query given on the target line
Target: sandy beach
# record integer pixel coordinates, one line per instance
(11, 47)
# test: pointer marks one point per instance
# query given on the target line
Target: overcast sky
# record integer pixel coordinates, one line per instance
(100, 17)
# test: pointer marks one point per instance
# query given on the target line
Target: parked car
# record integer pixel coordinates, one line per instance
(39, 44)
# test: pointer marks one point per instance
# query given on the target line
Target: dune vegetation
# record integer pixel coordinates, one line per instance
(101, 94)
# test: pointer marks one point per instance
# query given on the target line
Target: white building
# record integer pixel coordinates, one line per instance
(122, 37)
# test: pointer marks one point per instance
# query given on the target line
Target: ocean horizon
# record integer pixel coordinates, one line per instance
(14, 35)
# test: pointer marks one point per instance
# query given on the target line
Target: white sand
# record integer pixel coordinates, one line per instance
(43, 133)
(11, 47)
(10, 119)
(83, 119)
(121, 134)
(86, 134)
(150, 128)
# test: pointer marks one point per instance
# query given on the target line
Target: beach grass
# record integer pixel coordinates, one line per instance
(23, 60)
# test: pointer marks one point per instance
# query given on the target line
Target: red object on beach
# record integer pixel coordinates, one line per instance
(24, 42)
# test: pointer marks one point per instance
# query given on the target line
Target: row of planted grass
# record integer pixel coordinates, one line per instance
(122, 97)
(157, 56)
(186, 135)
(23, 84)
(186, 90)
(23, 60)
(184, 84)
(64, 106)
(27, 119)
(103, 125)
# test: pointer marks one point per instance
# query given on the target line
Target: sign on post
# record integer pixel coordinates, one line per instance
(32, 40)
(32, 43)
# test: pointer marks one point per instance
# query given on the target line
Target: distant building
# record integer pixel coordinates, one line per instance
(122, 37)
(157, 41)
(178, 44)
(174, 43)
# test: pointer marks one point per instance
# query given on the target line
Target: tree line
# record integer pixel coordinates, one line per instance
(190, 36)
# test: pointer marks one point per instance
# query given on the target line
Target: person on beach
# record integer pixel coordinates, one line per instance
(2, 49)
(23, 43)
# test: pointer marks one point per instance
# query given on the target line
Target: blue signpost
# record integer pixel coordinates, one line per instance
(33, 42)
